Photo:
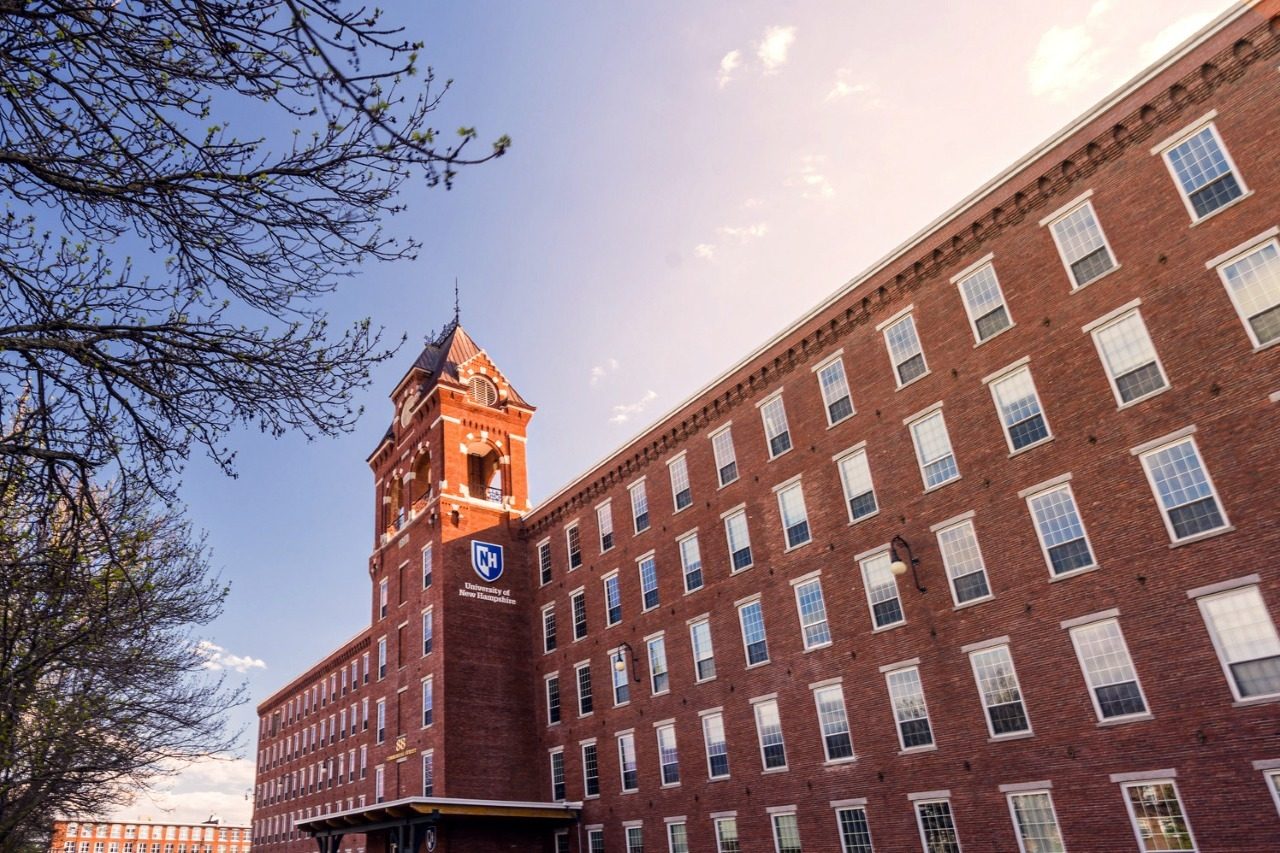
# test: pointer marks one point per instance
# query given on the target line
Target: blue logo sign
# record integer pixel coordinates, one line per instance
(486, 559)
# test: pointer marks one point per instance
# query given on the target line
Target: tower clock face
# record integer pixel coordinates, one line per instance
(406, 410)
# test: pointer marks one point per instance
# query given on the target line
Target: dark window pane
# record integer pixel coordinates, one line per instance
(1266, 325)
(757, 652)
(798, 534)
(775, 756)
(780, 443)
(916, 733)
(863, 504)
(693, 580)
(1069, 556)
(839, 746)
(606, 542)
(1009, 717)
(1026, 432)
(887, 612)
(706, 668)
(910, 369)
(1214, 195)
(1136, 383)
(642, 521)
(720, 765)
(991, 322)
(971, 586)
(1091, 266)
(728, 473)
(650, 598)
(742, 558)
(615, 614)
(1195, 517)
(1117, 700)
(684, 497)
(840, 409)
(1259, 677)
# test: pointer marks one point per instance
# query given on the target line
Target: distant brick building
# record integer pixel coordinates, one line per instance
(71, 836)
(979, 552)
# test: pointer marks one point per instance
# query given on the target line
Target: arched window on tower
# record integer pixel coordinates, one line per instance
(484, 473)
(482, 391)
(397, 503)
(420, 488)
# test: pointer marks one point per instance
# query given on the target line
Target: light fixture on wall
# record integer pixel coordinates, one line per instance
(899, 566)
(620, 663)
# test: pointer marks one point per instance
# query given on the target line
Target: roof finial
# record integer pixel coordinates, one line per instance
(457, 310)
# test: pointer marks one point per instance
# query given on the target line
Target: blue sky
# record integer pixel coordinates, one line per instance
(686, 180)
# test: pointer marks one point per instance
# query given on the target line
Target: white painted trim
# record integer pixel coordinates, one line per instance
(1224, 586)
(1007, 369)
(862, 445)
(1045, 486)
(922, 414)
(780, 810)
(902, 664)
(1020, 787)
(1247, 245)
(773, 395)
(879, 549)
(951, 522)
(722, 815)
(973, 267)
(1145, 776)
(733, 510)
(1267, 764)
(1114, 314)
(827, 682)
(944, 794)
(787, 483)
(1067, 208)
(1181, 135)
(1089, 619)
(765, 698)
(1176, 435)
(985, 644)
(805, 578)
(826, 361)
(886, 323)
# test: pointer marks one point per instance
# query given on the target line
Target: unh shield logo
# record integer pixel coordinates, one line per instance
(486, 559)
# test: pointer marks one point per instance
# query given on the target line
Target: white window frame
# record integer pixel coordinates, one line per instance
(604, 519)
(649, 558)
(1145, 451)
(545, 575)
(619, 680)
(764, 406)
(1133, 819)
(938, 530)
(1006, 374)
(1257, 244)
(706, 717)
(855, 805)
(906, 315)
(1040, 491)
(547, 646)
(573, 614)
(428, 566)
(836, 685)
(1115, 318)
(1010, 796)
(658, 729)
(862, 560)
(428, 633)
(553, 754)
(727, 518)
(638, 488)
(756, 705)
(546, 695)
(694, 624)
(967, 274)
(918, 419)
(918, 801)
(1073, 631)
(891, 670)
(659, 640)
(858, 451)
(671, 824)
(1165, 149)
(582, 753)
(679, 465)
(986, 648)
(836, 360)
(1254, 587)
(568, 544)
(1271, 778)
(740, 606)
(629, 736)
(775, 816)
(605, 580)
(684, 565)
(805, 581)
(1052, 220)
(577, 688)
(721, 464)
(716, 822)
(781, 491)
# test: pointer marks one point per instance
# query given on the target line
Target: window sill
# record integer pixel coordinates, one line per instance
(747, 567)
(692, 591)
(1071, 574)
(912, 750)
(863, 518)
(681, 509)
(1136, 400)
(929, 489)
(834, 424)
(769, 770)
(913, 380)
(974, 602)
(791, 548)
(704, 680)
(604, 551)
(1200, 537)
(665, 785)
(651, 609)
(819, 647)
(1218, 210)
(1256, 700)
(1267, 345)
(840, 762)
(758, 664)
(884, 628)
(591, 796)
(782, 454)
(719, 779)
(646, 530)
(622, 704)
(586, 715)
(660, 693)
(1120, 721)
(726, 485)
(1032, 446)
(1014, 736)
(997, 334)
(1076, 288)
(631, 791)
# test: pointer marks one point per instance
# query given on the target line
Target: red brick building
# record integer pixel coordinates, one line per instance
(71, 836)
(979, 553)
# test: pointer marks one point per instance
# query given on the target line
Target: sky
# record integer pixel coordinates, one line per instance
(686, 180)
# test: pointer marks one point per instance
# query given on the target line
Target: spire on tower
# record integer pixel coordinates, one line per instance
(457, 310)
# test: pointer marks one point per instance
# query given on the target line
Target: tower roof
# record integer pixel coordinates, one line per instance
(441, 358)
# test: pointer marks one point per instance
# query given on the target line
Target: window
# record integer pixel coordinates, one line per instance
(786, 833)
(1158, 820)
(1187, 498)
(834, 722)
(735, 530)
(583, 672)
(1062, 534)
(1019, 409)
(668, 756)
(681, 493)
(963, 560)
(627, 761)
(855, 832)
(549, 628)
(382, 658)
(726, 457)
(595, 841)
(835, 390)
(590, 770)
(382, 598)
(1253, 283)
(1129, 358)
(727, 835)
(428, 773)
(635, 839)
(544, 562)
(574, 541)
(795, 519)
(717, 746)
(639, 506)
(612, 600)
(659, 680)
(909, 710)
(428, 631)
(691, 562)
(933, 450)
(1108, 670)
(855, 479)
(813, 613)
(604, 521)
(903, 343)
(557, 774)
(776, 431)
(751, 617)
(381, 721)
(773, 752)
(379, 784)
(364, 659)
(882, 591)
(578, 600)
(428, 701)
(984, 302)
(677, 838)
(704, 660)
(1245, 639)
(1273, 785)
(620, 678)
(648, 582)
(481, 391)
(1203, 171)
(553, 700)
(1082, 245)
(937, 828)
(999, 690)
(428, 561)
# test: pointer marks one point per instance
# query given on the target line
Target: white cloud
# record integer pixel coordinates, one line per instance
(1064, 61)
(218, 658)
(210, 786)
(624, 412)
(773, 47)
(743, 233)
(728, 65)
(811, 180)
(1097, 10)
(1172, 36)
(753, 203)
(706, 251)
(845, 85)
(600, 371)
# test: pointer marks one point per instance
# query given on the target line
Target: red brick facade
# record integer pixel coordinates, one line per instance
(147, 837)
(1177, 731)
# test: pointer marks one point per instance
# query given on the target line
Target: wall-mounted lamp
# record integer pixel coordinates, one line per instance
(455, 514)
(899, 566)
(620, 663)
